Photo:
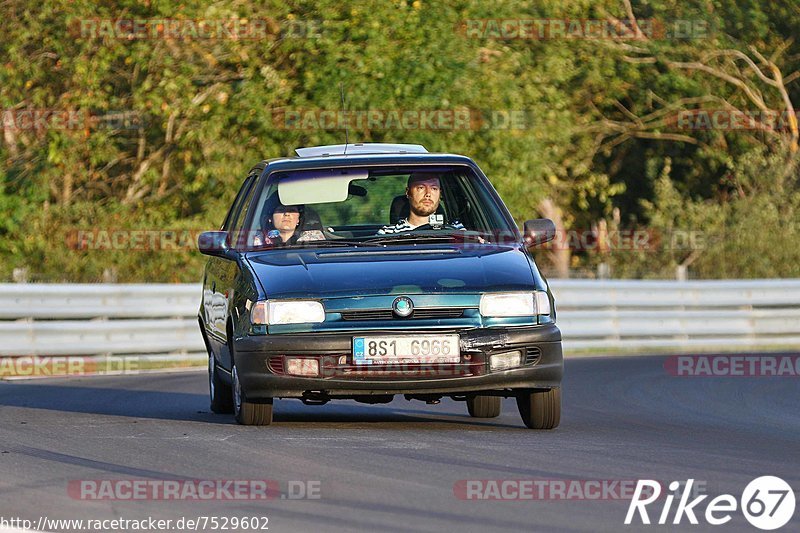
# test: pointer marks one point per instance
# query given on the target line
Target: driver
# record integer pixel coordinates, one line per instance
(423, 191)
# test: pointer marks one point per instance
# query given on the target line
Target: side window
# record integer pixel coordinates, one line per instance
(237, 239)
(234, 210)
(473, 205)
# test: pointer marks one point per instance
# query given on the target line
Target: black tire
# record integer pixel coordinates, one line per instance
(484, 406)
(540, 409)
(219, 392)
(249, 413)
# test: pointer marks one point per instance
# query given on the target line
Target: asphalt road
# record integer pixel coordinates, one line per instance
(394, 467)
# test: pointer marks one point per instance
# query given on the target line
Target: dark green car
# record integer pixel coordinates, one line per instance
(363, 271)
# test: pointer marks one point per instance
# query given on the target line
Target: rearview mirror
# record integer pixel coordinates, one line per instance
(539, 231)
(215, 243)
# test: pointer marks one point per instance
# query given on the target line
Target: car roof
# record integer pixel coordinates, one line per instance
(365, 154)
(360, 148)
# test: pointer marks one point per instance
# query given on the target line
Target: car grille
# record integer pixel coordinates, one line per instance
(276, 364)
(534, 353)
(418, 314)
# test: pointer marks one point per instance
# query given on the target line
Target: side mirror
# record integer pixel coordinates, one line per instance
(539, 231)
(215, 243)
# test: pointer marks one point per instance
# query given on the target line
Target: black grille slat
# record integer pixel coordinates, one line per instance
(367, 315)
(533, 355)
(275, 364)
(418, 314)
(445, 312)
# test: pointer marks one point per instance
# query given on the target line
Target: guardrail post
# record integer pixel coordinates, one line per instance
(20, 275)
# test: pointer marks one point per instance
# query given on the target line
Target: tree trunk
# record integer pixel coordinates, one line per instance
(560, 253)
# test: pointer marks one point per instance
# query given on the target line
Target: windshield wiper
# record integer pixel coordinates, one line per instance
(411, 236)
(339, 243)
(335, 243)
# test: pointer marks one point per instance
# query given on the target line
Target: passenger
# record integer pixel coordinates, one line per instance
(285, 227)
(424, 192)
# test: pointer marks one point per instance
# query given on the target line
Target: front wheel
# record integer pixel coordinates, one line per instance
(484, 406)
(249, 413)
(540, 409)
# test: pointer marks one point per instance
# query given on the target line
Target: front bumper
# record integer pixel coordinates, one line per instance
(261, 377)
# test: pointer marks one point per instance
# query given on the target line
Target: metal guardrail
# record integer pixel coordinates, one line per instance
(83, 319)
(633, 314)
(91, 301)
(89, 319)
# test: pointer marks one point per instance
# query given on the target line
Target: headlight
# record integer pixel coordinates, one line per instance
(299, 366)
(504, 361)
(542, 303)
(287, 312)
(515, 304)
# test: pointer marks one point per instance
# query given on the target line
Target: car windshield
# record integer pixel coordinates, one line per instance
(375, 206)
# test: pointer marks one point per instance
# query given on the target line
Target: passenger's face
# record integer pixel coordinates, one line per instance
(423, 196)
(285, 218)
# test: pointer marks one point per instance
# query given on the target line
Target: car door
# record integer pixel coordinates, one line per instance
(229, 275)
(215, 302)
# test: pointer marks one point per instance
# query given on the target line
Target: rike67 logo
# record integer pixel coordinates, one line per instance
(767, 503)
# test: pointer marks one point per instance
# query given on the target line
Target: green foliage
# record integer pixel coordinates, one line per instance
(201, 112)
(749, 235)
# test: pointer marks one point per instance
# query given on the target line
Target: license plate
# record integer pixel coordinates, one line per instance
(417, 349)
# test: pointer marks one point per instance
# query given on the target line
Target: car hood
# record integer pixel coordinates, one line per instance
(342, 272)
